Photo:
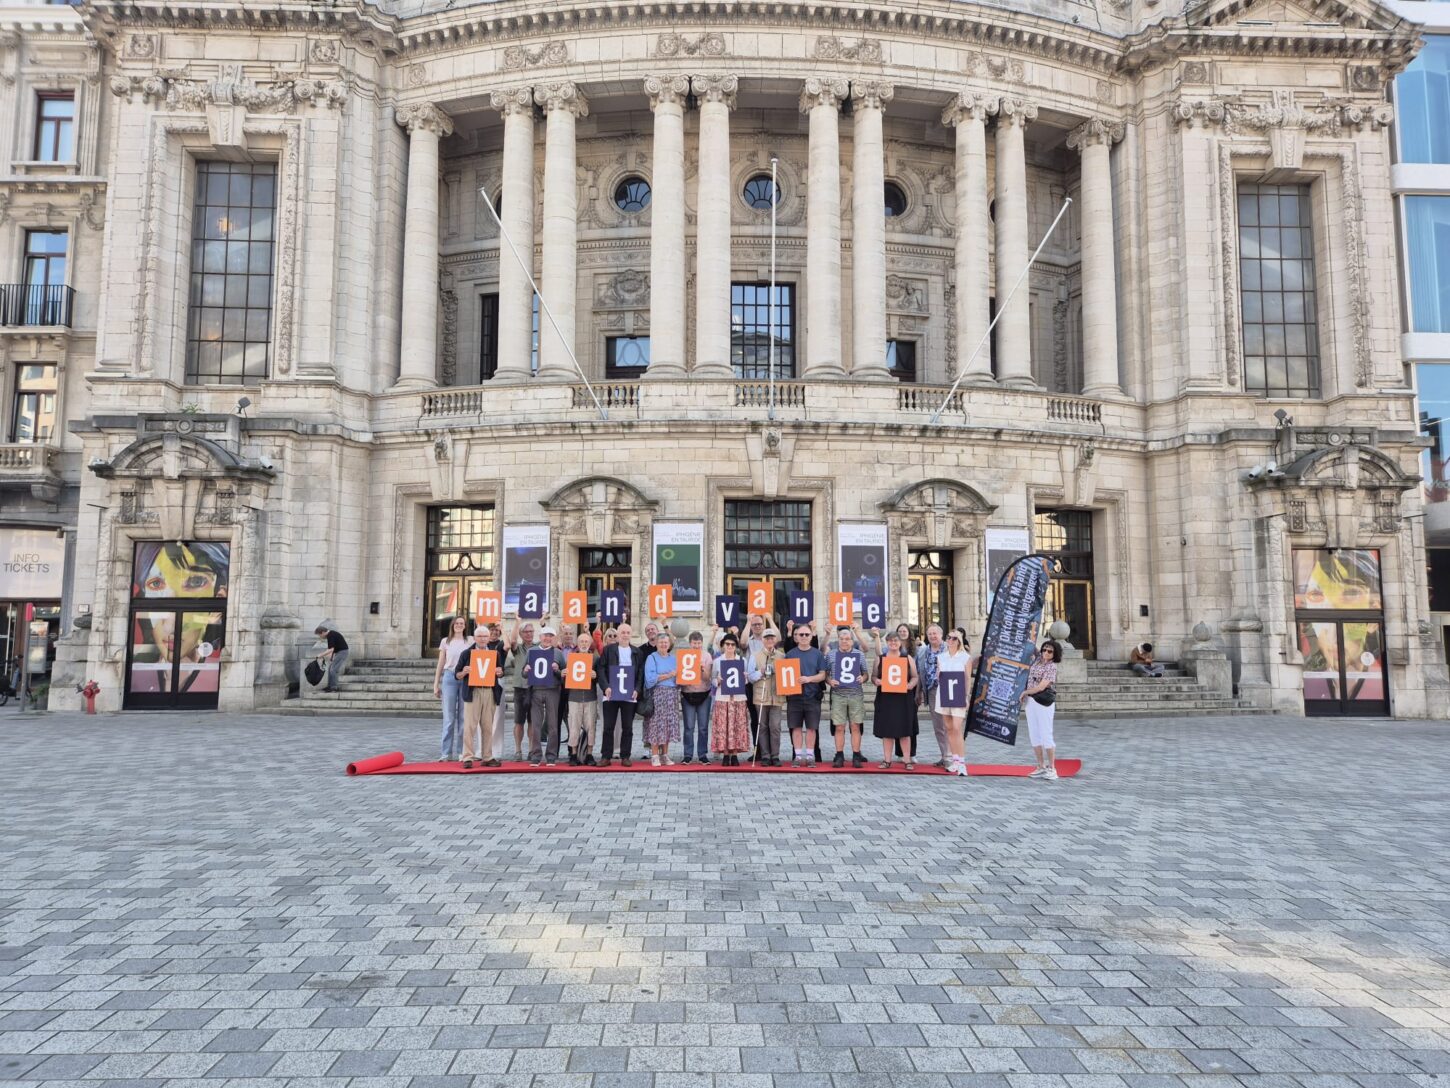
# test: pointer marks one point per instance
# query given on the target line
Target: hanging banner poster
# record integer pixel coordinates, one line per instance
(525, 559)
(1003, 546)
(679, 547)
(1007, 649)
(862, 561)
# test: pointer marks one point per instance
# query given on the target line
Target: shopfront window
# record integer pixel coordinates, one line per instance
(1422, 104)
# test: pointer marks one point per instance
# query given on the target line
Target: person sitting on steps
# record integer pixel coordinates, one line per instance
(1140, 660)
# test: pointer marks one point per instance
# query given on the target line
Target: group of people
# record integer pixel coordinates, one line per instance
(710, 719)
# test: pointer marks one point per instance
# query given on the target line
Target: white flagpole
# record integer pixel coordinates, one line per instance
(543, 303)
(770, 312)
(1001, 309)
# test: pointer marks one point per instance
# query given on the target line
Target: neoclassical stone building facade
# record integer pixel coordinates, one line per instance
(1195, 399)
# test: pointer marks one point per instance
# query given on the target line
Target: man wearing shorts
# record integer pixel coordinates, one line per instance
(803, 711)
(848, 701)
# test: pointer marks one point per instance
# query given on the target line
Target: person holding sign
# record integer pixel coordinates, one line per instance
(769, 705)
(519, 645)
(479, 669)
(953, 668)
(663, 726)
(696, 668)
(730, 722)
(846, 666)
(581, 693)
(447, 687)
(621, 667)
(542, 668)
(1042, 677)
(803, 711)
(894, 719)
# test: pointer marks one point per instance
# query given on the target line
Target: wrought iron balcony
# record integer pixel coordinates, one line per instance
(30, 304)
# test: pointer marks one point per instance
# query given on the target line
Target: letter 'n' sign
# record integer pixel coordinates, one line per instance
(661, 601)
(841, 608)
(482, 669)
(802, 607)
(540, 668)
(531, 601)
(732, 677)
(576, 606)
(488, 606)
(621, 684)
(788, 676)
(688, 666)
(894, 675)
(579, 672)
(611, 604)
(848, 669)
(952, 687)
(758, 598)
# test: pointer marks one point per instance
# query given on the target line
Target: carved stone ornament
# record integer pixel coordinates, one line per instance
(871, 94)
(943, 513)
(714, 88)
(424, 116)
(623, 290)
(967, 106)
(904, 295)
(1095, 131)
(562, 96)
(1013, 111)
(862, 49)
(709, 44)
(600, 509)
(231, 88)
(1281, 112)
(1350, 494)
(995, 66)
(324, 50)
(516, 57)
(1195, 71)
(514, 100)
(829, 92)
(666, 90)
(142, 46)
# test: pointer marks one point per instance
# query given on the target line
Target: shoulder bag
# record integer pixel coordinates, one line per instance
(1045, 697)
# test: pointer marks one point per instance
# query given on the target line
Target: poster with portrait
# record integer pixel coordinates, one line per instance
(525, 559)
(169, 569)
(862, 561)
(176, 652)
(679, 547)
(1344, 578)
(1004, 547)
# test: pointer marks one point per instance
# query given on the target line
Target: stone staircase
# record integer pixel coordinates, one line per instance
(393, 689)
(1114, 691)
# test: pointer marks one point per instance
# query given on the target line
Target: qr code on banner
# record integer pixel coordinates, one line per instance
(1001, 689)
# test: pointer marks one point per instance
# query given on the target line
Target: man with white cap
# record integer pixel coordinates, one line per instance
(544, 703)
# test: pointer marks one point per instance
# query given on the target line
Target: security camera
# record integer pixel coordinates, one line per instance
(1254, 473)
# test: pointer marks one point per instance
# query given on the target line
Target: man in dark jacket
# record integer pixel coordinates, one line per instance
(480, 703)
(619, 705)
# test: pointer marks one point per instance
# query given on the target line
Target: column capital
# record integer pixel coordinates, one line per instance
(514, 100)
(666, 90)
(562, 96)
(871, 94)
(1093, 131)
(823, 92)
(425, 116)
(967, 106)
(1013, 111)
(715, 88)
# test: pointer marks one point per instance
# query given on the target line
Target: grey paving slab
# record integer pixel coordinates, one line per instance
(214, 905)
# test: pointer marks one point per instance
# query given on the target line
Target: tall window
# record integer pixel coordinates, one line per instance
(54, 128)
(1422, 104)
(1276, 271)
(767, 537)
(750, 333)
(45, 271)
(625, 356)
(229, 327)
(1427, 242)
(901, 359)
(32, 418)
(488, 336)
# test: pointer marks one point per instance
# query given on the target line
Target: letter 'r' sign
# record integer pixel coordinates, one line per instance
(579, 672)
(952, 687)
(482, 669)
(894, 675)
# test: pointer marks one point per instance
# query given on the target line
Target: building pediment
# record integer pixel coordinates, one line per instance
(1309, 16)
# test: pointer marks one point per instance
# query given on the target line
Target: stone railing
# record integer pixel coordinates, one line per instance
(609, 394)
(1074, 410)
(24, 457)
(760, 395)
(453, 402)
(928, 398)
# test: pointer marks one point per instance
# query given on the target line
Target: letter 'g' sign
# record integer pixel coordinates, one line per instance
(540, 668)
(661, 601)
(576, 606)
(488, 606)
(531, 601)
(732, 676)
(841, 608)
(482, 669)
(579, 672)
(758, 598)
(788, 676)
(621, 684)
(687, 665)
(849, 669)
(873, 612)
(952, 687)
(894, 675)
(611, 603)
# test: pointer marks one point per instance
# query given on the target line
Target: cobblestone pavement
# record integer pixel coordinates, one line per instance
(188, 900)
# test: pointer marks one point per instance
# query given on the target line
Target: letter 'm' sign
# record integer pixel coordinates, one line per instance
(488, 606)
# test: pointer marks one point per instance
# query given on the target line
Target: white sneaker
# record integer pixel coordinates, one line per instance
(1050, 774)
(959, 766)
(654, 761)
(669, 762)
(1038, 773)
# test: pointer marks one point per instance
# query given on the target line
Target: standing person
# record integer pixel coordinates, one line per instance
(478, 703)
(695, 705)
(519, 645)
(956, 658)
(583, 707)
(336, 654)
(544, 705)
(663, 726)
(1042, 676)
(848, 701)
(619, 705)
(1140, 660)
(447, 688)
(927, 657)
(495, 636)
(651, 636)
(908, 640)
(803, 711)
(769, 705)
(894, 720)
(730, 721)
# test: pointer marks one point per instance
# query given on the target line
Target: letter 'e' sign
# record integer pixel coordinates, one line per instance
(873, 613)
(894, 675)
(579, 672)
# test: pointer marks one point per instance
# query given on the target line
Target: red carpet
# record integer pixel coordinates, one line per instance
(392, 763)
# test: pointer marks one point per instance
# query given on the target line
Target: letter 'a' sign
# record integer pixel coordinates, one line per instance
(727, 611)
(952, 688)
(894, 675)
(873, 612)
(488, 606)
(611, 604)
(621, 684)
(579, 672)
(732, 676)
(688, 667)
(661, 601)
(531, 601)
(540, 667)
(482, 669)
(788, 676)
(849, 669)
(576, 606)
(802, 607)
(841, 607)
(758, 598)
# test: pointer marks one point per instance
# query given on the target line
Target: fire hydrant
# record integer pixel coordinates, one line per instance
(90, 691)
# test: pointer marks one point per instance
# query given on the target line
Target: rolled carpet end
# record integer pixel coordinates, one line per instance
(376, 763)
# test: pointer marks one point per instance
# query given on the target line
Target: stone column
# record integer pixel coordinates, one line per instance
(1099, 270)
(1014, 326)
(969, 114)
(418, 358)
(515, 294)
(716, 95)
(667, 227)
(868, 231)
(563, 104)
(821, 99)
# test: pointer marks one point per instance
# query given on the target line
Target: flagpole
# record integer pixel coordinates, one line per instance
(1002, 309)
(770, 311)
(543, 303)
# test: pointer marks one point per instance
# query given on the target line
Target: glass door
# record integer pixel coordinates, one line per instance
(1344, 667)
(174, 658)
(1071, 600)
(449, 598)
(929, 589)
(602, 569)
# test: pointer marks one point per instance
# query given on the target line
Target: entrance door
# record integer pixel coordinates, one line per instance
(174, 658)
(1340, 626)
(1071, 600)
(929, 587)
(451, 596)
(602, 569)
(459, 565)
(1067, 537)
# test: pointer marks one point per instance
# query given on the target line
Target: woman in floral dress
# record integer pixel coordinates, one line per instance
(730, 720)
(662, 728)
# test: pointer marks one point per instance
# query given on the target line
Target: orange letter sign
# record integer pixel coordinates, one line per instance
(788, 676)
(661, 601)
(759, 599)
(576, 606)
(841, 608)
(688, 667)
(894, 675)
(488, 606)
(482, 669)
(579, 672)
